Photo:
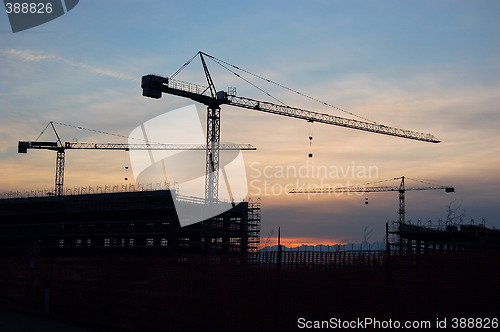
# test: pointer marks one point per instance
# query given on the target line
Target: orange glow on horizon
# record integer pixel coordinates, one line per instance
(297, 242)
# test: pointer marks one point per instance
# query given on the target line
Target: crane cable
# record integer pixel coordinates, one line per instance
(236, 74)
(310, 138)
(244, 79)
(47, 126)
(219, 62)
(95, 131)
(184, 65)
(422, 181)
(425, 182)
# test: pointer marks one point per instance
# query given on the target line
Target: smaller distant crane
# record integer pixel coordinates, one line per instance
(61, 148)
(401, 189)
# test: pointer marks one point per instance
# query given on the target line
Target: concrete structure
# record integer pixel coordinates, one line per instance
(130, 223)
(442, 237)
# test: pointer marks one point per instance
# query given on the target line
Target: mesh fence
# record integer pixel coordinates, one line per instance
(251, 293)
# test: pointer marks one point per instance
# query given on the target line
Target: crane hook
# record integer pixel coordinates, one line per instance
(126, 173)
(310, 138)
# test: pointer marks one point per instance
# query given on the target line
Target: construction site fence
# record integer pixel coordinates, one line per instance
(293, 259)
(266, 291)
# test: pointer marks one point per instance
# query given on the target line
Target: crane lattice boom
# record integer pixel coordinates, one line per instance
(24, 145)
(362, 189)
(60, 148)
(153, 85)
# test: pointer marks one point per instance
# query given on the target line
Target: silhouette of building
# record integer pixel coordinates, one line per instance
(442, 237)
(130, 223)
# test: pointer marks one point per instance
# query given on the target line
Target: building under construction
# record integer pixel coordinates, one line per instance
(441, 237)
(121, 223)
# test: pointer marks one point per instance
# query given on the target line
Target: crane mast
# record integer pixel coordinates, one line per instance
(60, 160)
(213, 142)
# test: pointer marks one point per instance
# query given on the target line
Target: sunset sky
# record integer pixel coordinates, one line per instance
(428, 66)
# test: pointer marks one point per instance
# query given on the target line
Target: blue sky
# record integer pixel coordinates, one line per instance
(430, 66)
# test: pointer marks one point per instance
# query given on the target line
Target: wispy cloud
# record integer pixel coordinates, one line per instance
(33, 56)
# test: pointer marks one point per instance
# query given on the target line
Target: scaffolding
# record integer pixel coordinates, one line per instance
(236, 230)
(254, 220)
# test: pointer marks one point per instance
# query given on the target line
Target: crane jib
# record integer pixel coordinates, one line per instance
(329, 119)
(153, 86)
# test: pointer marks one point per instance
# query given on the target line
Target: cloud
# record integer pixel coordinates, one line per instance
(33, 56)
(27, 55)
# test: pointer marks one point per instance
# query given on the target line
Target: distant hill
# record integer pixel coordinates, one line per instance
(379, 245)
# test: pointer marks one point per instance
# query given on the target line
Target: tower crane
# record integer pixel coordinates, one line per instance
(154, 85)
(61, 148)
(401, 189)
